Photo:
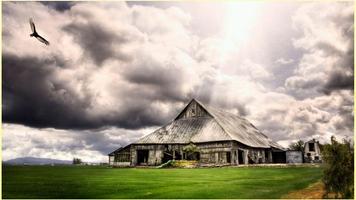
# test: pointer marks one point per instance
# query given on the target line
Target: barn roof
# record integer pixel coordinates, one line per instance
(118, 150)
(216, 125)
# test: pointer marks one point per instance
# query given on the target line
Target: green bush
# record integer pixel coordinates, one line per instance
(339, 169)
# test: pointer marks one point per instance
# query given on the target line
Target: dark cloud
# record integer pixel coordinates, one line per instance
(97, 41)
(33, 96)
(164, 80)
(346, 114)
(339, 81)
(342, 75)
(58, 5)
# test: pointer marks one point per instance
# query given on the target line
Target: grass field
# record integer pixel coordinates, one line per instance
(101, 182)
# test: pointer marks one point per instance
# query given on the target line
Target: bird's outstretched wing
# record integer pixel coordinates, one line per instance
(33, 28)
(41, 39)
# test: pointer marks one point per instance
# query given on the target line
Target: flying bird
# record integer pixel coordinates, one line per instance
(35, 34)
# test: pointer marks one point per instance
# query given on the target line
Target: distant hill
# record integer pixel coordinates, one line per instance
(37, 161)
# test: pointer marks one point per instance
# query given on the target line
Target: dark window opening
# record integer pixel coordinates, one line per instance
(193, 112)
(241, 157)
(279, 157)
(266, 156)
(228, 157)
(311, 147)
(177, 155)
(308, 154)
(142, 157)
(316, 157)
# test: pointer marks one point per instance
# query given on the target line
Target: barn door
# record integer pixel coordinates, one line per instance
(241, 157)
(142, 157)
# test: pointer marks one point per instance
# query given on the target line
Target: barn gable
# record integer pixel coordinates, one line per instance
(193, 110)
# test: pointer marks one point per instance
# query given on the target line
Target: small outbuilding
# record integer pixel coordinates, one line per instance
(294, 157)
(312, 152)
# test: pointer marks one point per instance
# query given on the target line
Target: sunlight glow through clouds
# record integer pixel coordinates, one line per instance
(240, 18)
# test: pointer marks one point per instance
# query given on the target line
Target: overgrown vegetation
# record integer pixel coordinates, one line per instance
(297, 146)
(179, 164)
(191, 152)
(339, 169)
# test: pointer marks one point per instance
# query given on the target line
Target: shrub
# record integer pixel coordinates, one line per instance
(339, 169)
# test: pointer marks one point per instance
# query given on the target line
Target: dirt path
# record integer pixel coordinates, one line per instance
(313, 191)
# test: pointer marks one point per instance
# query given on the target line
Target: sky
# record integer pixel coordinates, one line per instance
(116, 71)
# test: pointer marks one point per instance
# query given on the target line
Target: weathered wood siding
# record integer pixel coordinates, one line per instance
(193, 110)
(121, 158)
(155, 153)
(294, 157)
(223, 152)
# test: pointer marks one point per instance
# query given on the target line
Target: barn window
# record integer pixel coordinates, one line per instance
(193, 112)
(316, 157)
(311, 147)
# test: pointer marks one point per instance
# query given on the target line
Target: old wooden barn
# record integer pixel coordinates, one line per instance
(219, 137)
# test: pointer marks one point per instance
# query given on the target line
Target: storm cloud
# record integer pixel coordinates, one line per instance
(68, 91)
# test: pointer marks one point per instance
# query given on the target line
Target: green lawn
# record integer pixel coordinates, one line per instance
(101, 182)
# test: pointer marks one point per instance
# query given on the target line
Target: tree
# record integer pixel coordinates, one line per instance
(339, 168)
(77, 161)
(298, 146)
